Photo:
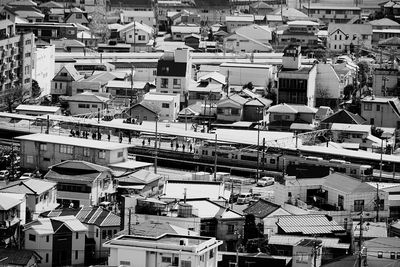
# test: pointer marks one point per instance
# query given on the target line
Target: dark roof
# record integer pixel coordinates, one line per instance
(261, 209)
(21, 257)
(130, 3)
(168, 67)
(138, 65)
(344, 116)
(152, 108)
(212, 3)
(88, 215)
(150, 228)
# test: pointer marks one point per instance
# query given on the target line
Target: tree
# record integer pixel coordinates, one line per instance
(36, 90)
(271, 94)
(348, 91)
(15, 96)
(210, 35)
(249, 86)
(363, 72)
(250, 228)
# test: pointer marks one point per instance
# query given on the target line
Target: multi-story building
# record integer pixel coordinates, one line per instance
(174, 71)
(143, 17)
(59, 240)
(296, 82)
(12, 215)
(47, 31)
(332, 14)
(381, 111)
(299, 32)
(385, 81)
(345, 37)
(167, 249)
(43, 67)
(81, 183)
(61, 84)
(16, 55)
(233, 22)
(168, 104)
(42, 151)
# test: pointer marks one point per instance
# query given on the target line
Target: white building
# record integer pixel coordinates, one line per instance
(233, 22)
(43, 69)
(164, 250)
(137, 34)
(381, 111)
(341, 37)
(58, 240)
(167, 103)
(144, 17)
(179, 32)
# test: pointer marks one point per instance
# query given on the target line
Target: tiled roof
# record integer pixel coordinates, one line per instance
(139, 177)
(137, 26)
(384, 22)
(72, 71)
(45, 226)
(154, 229)
(88, 97)
(29, 186)
(308, 224)
(13, 257)
(291, 109)
(292, 240)
(360, 29)
(81, 165)
(261, 208)
(7, 202)
(344, 116)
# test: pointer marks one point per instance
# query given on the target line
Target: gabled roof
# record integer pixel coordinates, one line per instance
(29, 186)
(155, 229)
(347, 184)
(80, 165)
(205, 208)
(216, 76)
(290, 13)
(349, 127)
(137, 26)
(360, 29)
(261, 209)
(72, 72)
(147, 105)
(308, 224)
(390, 41)
(64, 43)
(88, 97)
(291, 109)
(384, 22)
(139, 177)
(51, 4)
(22, 3)
(20, 257)
(46, 226)
(261, 5)
(344, 116)
(9, 201)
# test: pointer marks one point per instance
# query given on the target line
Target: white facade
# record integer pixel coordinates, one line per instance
(328, 84)
(241, 43)
(169, 104)
(144, 17)
(241, 74)
(44, 67)
(341, 37)
(165, 250)
(233, 22)
(378, 112)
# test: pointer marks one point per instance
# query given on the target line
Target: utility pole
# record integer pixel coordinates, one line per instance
(130, 105)
(377, 202)
(155, 146)
(380, 165)
(263, 156)
(258, 145)
(360, 239)
(129, 220)
(215, 158)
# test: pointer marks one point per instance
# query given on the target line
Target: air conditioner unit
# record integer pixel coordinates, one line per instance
(183, 242)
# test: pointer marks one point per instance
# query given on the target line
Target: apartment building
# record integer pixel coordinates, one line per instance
(332, 14)
(16, 55)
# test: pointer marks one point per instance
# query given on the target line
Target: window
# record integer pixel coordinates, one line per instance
(165, 105)
(94, 106)
(66, 149)
(104, 234)
(102, 154)
(76, 254)
(302, 257)
(125, 263)
(368, 106)
(46, 159)
(86, 152)
(130, 36)
(211, 255)
(186, 263)
(79, 16)
(47, 238)
(177, 83)
(27, 70)
(166, 259)
(231, 229)
(47, 257)
(32, 237)
(164, 83)
(378, 107)
(380, 254)
(392, 255)
(83, 106)
(97, 232)
(28, 42)
(120, 154)
(358, 205)
(398, 255)
(142, 37)
(29, 159)
(76, 235)
(27, 54)
(43, 147)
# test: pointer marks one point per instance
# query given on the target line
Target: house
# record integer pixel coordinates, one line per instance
(89, 39)
(323, 112)
(261, 8)
(144, 111)
(179, 32)
(211, 11)
(307, 251)
(192, 40)
(76, 15)
(215, 220)
(212, 77)
(44, 30)
(354, 133)
(144, 182)
(12, 215)
(332, 248)
(81, 183)
(170, 249)
(61, 84)
(342, 116)
(233, 22)
(42, 151)
(96, 82)
(282, 116)
(137, 34)
(384, 23)
(230, 109)
(184, 17)
(309, 225)
(291, 14)
(296, 82)
(143, 71)
(174, 72)
(204, 91)
(332, 14)
(240, 43)
(37, 110)
(168, 104)
(20, 257)
(381, 111)
(266, 214)
(349, 37)
(41, 195)
(301, 32)
(86, 103)
(145, 17)
(58, 240)
(68, 45)
(101, 223)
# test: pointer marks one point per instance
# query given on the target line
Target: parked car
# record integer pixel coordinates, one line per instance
(4, 174)
(244, 198)
(264, 181)
(26, 175)
(256, 197)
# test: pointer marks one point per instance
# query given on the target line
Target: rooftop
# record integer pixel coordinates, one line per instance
(29, 186)
(261, 209)
(195, 189)
(20, 257)
(154, 229)
(45, 109)
(48, 226)
(64, 140)
(351, 127)
(139, 177)
(292, 240)
(308, 224)
(347, 184)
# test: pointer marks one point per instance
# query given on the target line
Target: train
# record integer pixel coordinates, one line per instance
(275, 160)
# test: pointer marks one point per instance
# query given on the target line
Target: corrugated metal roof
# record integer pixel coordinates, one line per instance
(291, 240)
(308, 224)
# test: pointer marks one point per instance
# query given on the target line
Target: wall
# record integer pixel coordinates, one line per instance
(78, 244)
(43, 72)
(391, 83)
(312, 77)
(240, 75)
(93, 107)
(383, 118)
(41, 246)
(130, 38)
(327, 82)
(47, 201)
(238, 44)
(270, 227)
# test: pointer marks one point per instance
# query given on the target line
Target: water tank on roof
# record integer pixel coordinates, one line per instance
(184, 210)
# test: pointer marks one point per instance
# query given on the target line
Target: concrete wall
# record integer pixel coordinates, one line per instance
(241, 75)
(328, 84)
(383, 118)
(311, 86)
(44, 71)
